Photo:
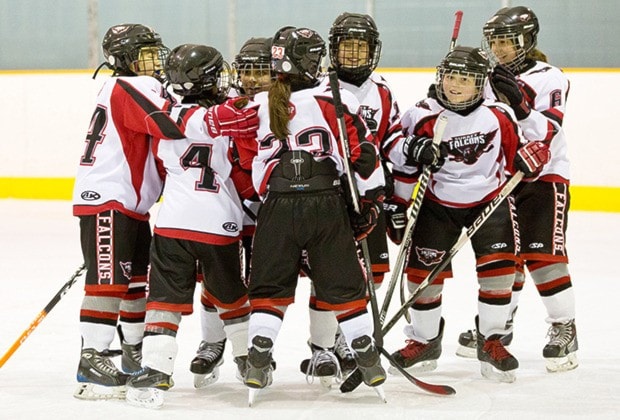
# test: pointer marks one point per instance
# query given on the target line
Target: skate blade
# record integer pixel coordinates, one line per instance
(467, 352)
(380, 392)
(562, 364)
(489, 372)
(94, 392)
(145, 397)
(252, 394)
(425, 366)
(203, 381)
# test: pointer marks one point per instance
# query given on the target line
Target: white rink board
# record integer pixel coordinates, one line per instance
(44, 118)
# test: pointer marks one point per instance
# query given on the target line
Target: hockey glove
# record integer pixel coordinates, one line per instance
(232, 119)
(531, 158)
(396, 219)
(432, 91)
(365, 221)
(418, 150)
(506, 88)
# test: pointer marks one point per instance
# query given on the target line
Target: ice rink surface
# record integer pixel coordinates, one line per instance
(39, 251)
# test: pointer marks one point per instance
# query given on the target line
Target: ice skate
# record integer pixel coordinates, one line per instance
(146, 388)
(345, 356)
(259, 370)
(242, 367)
(205, 366)
(417, 357)
(131, 354)
(99, 378)
(369, 364)
(323, 364)
(468, 343)
(131, 359)
(495, 361)
(560, 353)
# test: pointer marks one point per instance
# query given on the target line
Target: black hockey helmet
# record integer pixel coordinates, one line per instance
(298, 51)
(254, 61)
(122, 46)
(463, 61)
(254, 50)
(200, 71)
(354, 26)
(518, 24)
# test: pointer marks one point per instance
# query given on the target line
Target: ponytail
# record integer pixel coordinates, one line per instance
(279, 95)
(538, 55)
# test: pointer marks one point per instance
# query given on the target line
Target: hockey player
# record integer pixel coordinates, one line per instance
(355, 51)
(251, 75)
(116, 185)
(537, 91)
(198, 183)
(297, 171)
(480, 143)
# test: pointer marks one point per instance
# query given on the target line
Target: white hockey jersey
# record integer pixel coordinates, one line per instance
(378, 108)
(314, 128)
(481, 148)
(200, 201)
(546, 90)
(117, 170)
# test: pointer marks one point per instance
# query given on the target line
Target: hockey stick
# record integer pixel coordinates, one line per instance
(63, 290)
(352, 381)
(344, 143)
(377, 333)
(412, 216)
(458, 17)
(461, 241)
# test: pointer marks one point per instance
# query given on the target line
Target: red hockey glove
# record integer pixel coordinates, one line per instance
(370, 206)
(396, 219)
(506, 88)
(232, 119)
(531, 158)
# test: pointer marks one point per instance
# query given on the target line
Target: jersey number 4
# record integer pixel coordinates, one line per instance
(94, 136)
(198, 155)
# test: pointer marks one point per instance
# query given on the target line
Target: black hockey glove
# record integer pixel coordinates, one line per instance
(432, 91)
(370, 206)
(506, 88)
(418, 150)
(396, 219)
(531, 158)
(389, 180)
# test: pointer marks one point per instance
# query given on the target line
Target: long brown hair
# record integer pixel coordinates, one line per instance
(538, 55)
(279, 96)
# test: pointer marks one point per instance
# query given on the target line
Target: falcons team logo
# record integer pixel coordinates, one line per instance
(429, 256)
(126, 267)
(423, 104)
(369, 116)
(470, 147)
(306, 33)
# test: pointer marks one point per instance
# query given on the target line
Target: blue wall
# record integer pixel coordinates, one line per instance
(44, 34)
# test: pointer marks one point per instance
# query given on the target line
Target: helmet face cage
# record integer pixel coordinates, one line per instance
(354, 46)
(298, 51)
(461, 77)
(252, 67)
(198, 70)
(134, 49)
(510, 35)
(150, 62)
